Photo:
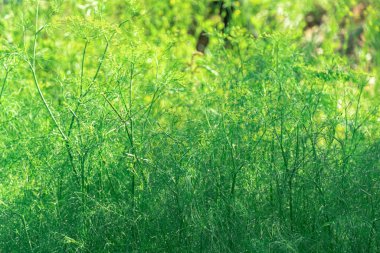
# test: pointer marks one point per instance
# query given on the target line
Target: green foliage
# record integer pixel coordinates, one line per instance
(117, 136)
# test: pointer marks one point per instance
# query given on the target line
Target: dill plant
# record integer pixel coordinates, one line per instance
(116, 137)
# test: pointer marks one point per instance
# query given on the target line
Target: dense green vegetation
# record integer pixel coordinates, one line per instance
(117, 135)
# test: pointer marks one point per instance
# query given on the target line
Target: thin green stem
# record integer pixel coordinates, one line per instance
(35, 36)
(3, 85)
(64, 137)
(82, 68)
